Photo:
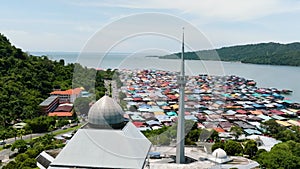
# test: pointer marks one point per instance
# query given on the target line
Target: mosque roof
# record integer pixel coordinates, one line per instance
(219, 153)
(106, 111)
(219, 156)
(126, 148)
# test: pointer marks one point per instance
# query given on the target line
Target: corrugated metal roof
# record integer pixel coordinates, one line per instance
(92, 148)
(48, 101)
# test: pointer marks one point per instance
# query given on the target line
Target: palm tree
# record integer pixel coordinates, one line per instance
(13, 132)
(20, 133)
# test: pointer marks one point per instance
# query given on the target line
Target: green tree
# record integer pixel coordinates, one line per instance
(41, 124)
(287, 135)
(233, 148)
(217, 145)
(282, 155)
(272, 127)
(259, 151)
(20, 145)
(28, 163)
(3, 135)
(10, 165)
(250, 148)
(13, 132)
(32, 153)
(21, 157)
(20, 133)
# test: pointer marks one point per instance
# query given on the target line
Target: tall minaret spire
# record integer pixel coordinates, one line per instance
(181, 80)
(182, 55)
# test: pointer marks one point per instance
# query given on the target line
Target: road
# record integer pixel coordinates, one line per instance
(114, 90)
(5, 153)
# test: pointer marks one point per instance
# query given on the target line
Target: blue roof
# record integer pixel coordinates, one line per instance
(252, 131)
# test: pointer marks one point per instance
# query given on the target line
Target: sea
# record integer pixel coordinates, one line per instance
(268, 76)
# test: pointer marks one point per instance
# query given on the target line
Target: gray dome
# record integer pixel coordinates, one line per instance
(106, 113)
(219, 153)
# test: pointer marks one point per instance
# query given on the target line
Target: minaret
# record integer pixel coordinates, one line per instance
(181, 81)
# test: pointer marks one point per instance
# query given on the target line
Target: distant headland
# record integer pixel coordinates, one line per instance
(263, 53)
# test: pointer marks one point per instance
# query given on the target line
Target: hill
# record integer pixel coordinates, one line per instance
(263, 53)
(26, 80)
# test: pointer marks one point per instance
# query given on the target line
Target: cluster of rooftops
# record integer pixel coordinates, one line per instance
(214, 102)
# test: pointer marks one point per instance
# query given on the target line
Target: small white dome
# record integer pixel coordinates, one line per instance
(105, 112)
(219, 153)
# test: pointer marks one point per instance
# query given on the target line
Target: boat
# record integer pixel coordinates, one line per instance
(286, 91)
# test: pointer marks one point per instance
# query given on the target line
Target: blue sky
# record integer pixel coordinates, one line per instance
(67, 25)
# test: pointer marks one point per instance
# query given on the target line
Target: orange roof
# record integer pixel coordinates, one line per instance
(256, 112)
(61, 114)
(219, 130)
(67, 92)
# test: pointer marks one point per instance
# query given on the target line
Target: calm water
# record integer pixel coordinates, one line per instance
(281, 77)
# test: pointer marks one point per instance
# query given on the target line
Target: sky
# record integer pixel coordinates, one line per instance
(68, 25)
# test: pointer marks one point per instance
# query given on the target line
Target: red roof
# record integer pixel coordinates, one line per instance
(277, 112)
(139, 124)
(137, 99)
(67, 92)
(172, 97)
(241, 111)
(61, 114)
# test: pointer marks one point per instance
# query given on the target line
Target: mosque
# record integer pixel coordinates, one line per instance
(106, 141)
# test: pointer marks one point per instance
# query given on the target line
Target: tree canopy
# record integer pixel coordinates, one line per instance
(26, 80)
(283, 155)
(263, 53)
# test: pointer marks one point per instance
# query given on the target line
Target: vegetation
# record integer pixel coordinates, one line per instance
(250, 148)
(263, 53)
(26, 80)
(28, 151)
(233, 148)
(282, 133)
(20, 145)
(167, 135)
(283, 155)
(217, 145)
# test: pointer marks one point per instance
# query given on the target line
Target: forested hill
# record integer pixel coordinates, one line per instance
(263, 53)
(25, 81)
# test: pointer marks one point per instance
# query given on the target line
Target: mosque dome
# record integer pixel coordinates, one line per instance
(219, 153)
(106, 113)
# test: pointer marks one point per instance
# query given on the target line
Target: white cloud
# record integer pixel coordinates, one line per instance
(236, 10)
